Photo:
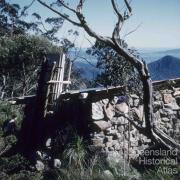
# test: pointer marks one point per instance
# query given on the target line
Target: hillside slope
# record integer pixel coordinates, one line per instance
(167, 67)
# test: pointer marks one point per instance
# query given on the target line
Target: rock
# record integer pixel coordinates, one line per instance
(105, 101)
(166, 91)
(109, 144)
(136, 102)
(167, 98)
(48, 143)
(39, 155)
(109, 138)
(157, 105)
(134, 142)
(9, 126)
(122, 108)
(115, 100)
(165, 119)
(138, 112)
(115, 142)
(57, 163)
(134, 96)
(178, 100)
(98, 142)
(130, 102)
(167, 125)
(157, 95)
(101, 125)
(39, 165)
(83, 95)
(117, 147)
(172, 105)
(97, 111)
(108, 175)
(99, 135)
(110, 131)
(176, 92)
(165, 112)
(109, 111)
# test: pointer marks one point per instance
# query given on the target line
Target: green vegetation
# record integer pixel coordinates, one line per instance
(115, 70)
(21, 57)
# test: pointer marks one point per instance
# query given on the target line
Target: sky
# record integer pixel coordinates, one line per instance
(158, 22)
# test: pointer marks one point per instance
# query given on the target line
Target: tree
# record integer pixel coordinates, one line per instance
(13, 21)
(115, 70)
(21, 57)
(116, 43)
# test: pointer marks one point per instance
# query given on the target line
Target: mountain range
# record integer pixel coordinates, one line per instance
(163, 64)
(167, 67)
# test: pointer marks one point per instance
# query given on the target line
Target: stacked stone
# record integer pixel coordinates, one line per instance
(112, 132)
(167, 111)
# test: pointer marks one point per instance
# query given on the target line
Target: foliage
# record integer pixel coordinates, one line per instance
(13, 22)
(115, 70)
(17, 167)
(20, 59)
(163, 172)
(76, 152)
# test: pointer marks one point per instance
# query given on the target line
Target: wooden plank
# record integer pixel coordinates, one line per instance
(58, 82)
(48, 89)
(22, 100)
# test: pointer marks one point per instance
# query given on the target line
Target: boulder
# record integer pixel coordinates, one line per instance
(166, 112)
(109, 111)
(39, 165)
(173, 105)
(157, 105)
(134, 96)
(48, 143)
(165, 119)
(136, 102)
(157, 95)
(57, 163)
(97, 111)
(101, 125)
(122, 108)
(138, 112)
(83, 95)
(176, 92)
(167, 98)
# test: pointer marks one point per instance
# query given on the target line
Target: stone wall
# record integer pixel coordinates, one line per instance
(112, 132)
(102, 116)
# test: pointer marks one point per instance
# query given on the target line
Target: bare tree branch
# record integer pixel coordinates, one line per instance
(60, 14)
(89, 30)
(116, 10)
(132, 31)
(66, 6)
(128, 6)
(26, 8)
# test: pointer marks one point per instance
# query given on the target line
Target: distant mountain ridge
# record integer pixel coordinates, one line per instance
(170, 51)
(163, 64)
(167, 67)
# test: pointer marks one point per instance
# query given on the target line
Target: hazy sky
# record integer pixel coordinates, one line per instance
(159, 21)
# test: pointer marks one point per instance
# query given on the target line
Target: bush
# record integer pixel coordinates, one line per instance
(20, 59)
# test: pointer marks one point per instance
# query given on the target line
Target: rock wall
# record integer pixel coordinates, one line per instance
(111, 131)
